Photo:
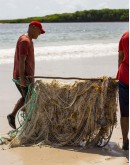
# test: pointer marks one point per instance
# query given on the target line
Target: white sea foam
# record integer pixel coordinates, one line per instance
(65, 52)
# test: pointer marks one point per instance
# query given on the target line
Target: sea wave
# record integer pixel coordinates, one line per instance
(65, 52)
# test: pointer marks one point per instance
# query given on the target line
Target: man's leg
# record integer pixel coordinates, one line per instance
(125, 129)
(19, 104)
(11, 117)
(124, 110)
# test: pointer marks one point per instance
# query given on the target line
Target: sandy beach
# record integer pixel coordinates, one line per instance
(46, 155)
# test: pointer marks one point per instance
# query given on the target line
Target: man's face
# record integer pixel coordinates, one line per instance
(36, 32)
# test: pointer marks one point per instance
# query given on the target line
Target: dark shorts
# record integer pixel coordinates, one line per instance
(22, 90)
(124, 99)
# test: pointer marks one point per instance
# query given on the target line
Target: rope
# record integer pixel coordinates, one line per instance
(67, 78)
(24, 115)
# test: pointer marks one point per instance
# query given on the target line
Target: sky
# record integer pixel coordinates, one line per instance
(12, 9)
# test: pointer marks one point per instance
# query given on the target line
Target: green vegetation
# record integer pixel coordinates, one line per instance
(103, 15)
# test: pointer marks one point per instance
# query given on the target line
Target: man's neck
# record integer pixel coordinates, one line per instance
(29, 36)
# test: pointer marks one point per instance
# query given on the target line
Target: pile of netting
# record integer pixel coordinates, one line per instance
(82, 113)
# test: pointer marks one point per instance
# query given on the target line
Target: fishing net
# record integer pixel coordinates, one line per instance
(80, 113)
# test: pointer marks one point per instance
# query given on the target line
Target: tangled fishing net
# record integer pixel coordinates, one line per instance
(79, 113)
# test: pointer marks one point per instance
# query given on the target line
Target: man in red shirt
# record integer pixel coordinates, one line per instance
(24, 65)
(123, 77)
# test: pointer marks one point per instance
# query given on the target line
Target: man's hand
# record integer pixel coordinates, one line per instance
(23, 82)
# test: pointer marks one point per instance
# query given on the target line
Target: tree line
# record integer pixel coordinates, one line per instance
(103, 15)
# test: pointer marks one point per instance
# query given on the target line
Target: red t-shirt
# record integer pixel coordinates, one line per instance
(24, 47)
(123, 70)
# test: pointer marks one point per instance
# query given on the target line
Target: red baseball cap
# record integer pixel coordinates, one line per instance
(38, 24)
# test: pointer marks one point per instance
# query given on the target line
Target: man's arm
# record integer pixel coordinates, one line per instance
(120, 57)
(22, 59)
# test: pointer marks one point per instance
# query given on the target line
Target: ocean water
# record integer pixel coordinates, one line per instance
(65, 40)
